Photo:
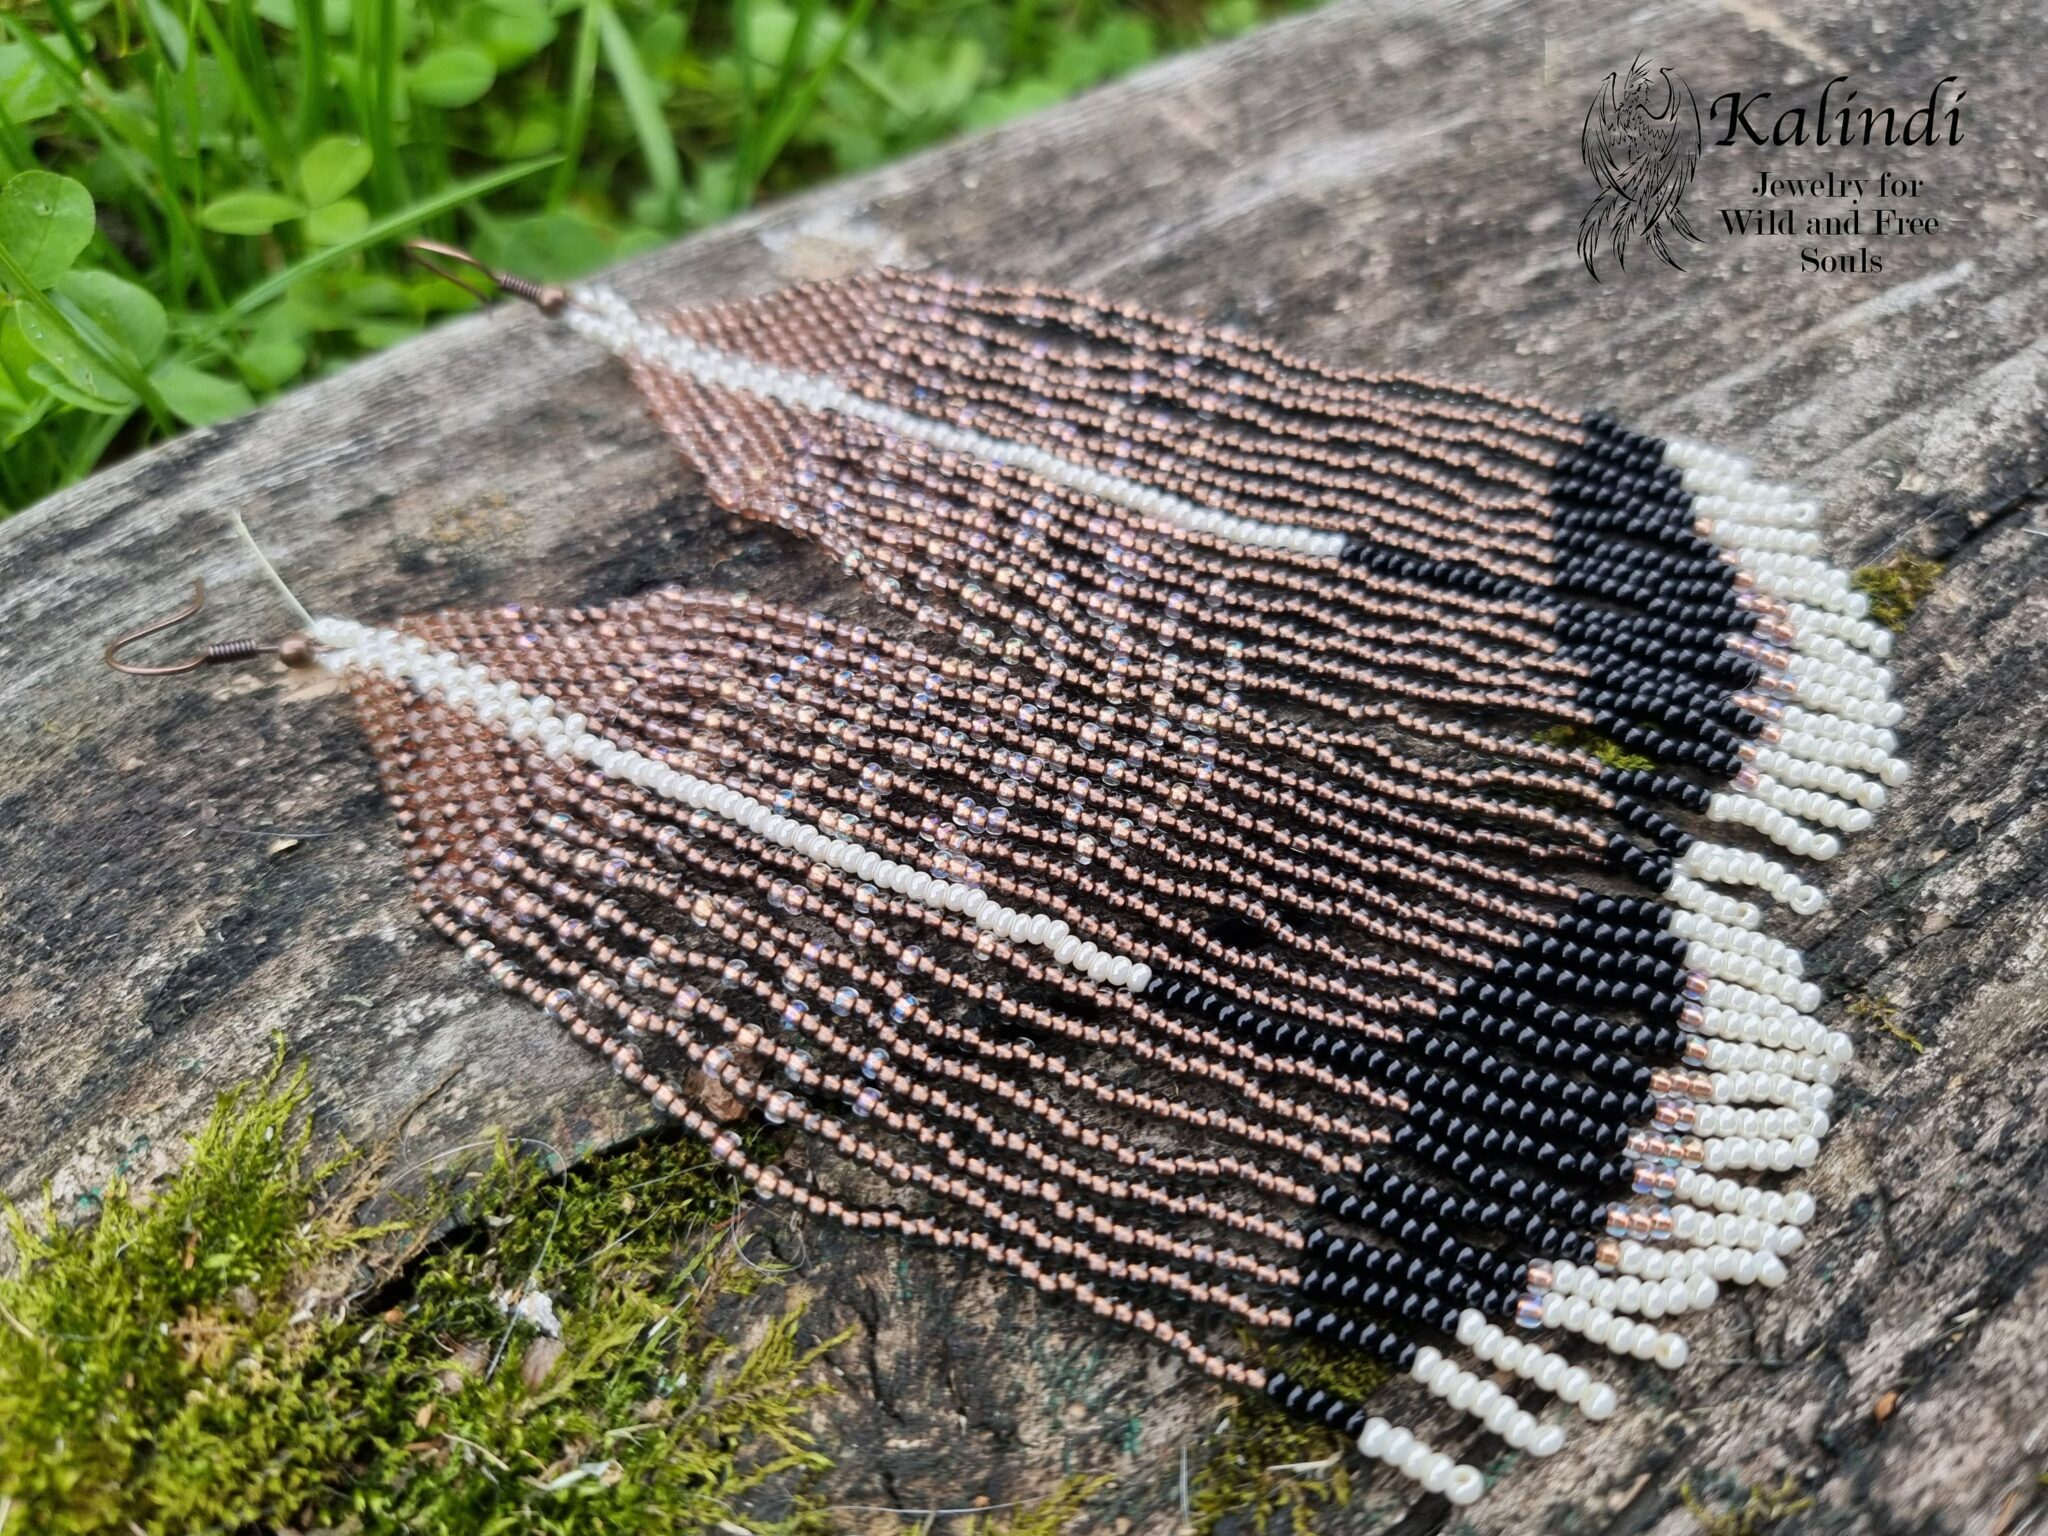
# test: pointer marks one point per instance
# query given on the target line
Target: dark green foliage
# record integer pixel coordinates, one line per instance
(1608, 750)
(199, 203)
(1265, 1470)
(237, 1352)
(1896, 587)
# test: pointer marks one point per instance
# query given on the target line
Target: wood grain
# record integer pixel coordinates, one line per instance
(186, 868)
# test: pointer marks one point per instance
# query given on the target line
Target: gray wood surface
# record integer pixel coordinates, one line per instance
(186, 867)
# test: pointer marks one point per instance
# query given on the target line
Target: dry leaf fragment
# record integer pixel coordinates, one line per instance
(539, 1362)
(607, 1472)
(1887, 1405)
(717, 1100)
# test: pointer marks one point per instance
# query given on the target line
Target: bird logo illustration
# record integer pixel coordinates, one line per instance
(1642, 143)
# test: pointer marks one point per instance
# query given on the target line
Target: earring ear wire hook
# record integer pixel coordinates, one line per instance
(546, 297)
(294, 650)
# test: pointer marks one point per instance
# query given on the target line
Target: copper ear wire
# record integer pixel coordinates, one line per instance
(294, 650)
(548, 298)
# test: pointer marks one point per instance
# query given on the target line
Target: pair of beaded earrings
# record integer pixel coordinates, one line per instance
(1219, 919)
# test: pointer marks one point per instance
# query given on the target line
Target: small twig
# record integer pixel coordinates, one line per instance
(291, 598)
(1309, 1468)
(425, 1099)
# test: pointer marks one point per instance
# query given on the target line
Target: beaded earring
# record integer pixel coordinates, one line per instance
(1085, 475)
(856, 884)
(1074, 483)
(1188, 927)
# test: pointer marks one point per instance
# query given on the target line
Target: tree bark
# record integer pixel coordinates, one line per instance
(187, 867)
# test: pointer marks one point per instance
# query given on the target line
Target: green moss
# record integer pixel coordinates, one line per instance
(1058, 1512)
(1763, 1508)
(1896, 586)
(1881, 1012)
(1609, 751)
(241, 1350)
(1267, 1469)
(191, 1362)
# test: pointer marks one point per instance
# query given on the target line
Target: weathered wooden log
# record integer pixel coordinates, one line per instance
(185, 869)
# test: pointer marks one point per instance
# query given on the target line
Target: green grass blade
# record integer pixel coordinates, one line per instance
(177, 284)
(257, 65)
(269, 131)
(743, 62)
(187, 247)
(312, 39)
(1023, 18)
(376, 232)
(376, 101)
(582, 90)
(787, 69)
(14, 145)
(643, 106)
(67, 23)
(791, 117)
(100, 431)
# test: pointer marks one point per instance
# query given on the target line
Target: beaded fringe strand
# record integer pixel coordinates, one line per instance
(1236, 798)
